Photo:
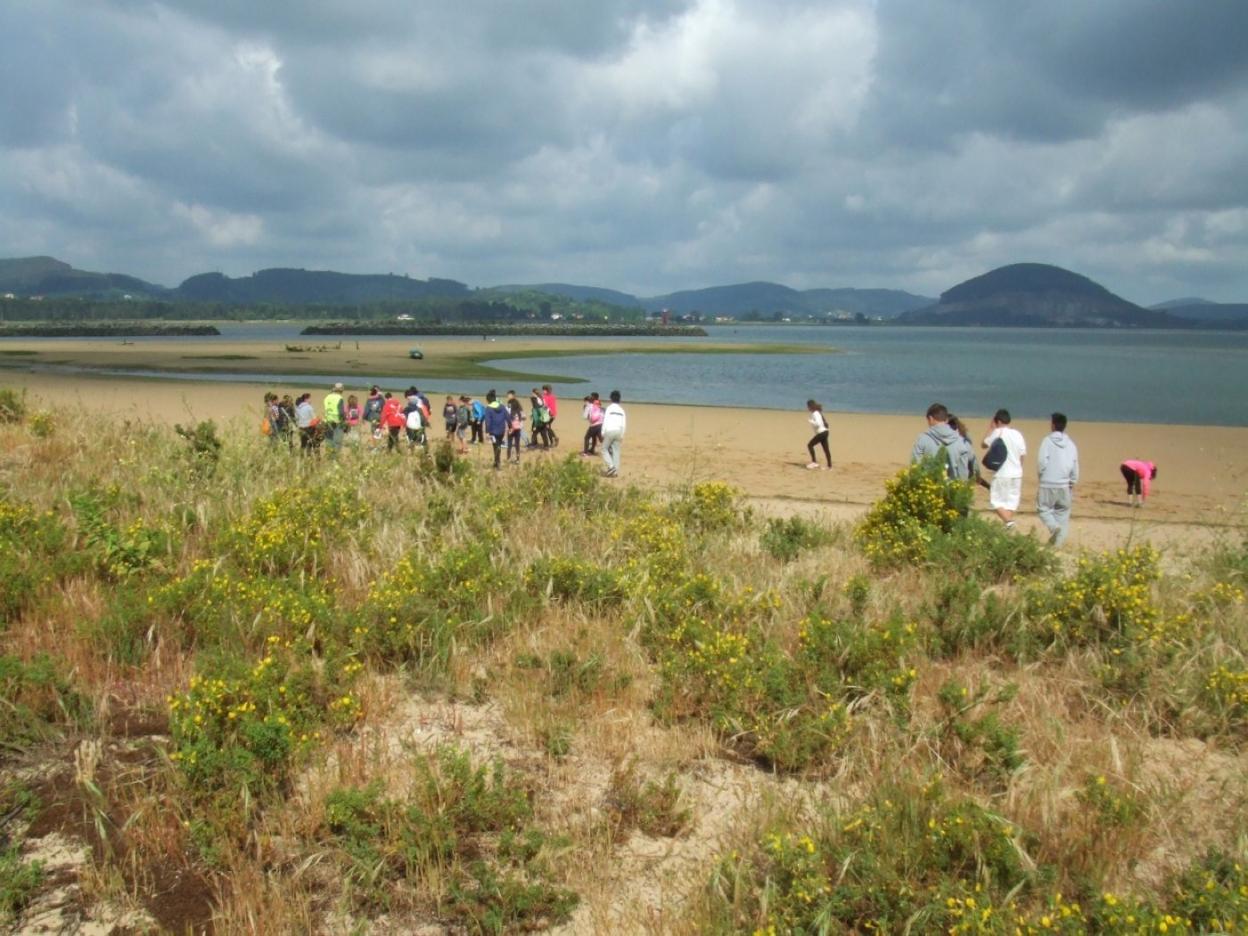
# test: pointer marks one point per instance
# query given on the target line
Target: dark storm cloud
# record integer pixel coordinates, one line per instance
(1053, 71)
(647, 146)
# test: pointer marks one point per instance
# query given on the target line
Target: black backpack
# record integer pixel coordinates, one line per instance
(996, 455)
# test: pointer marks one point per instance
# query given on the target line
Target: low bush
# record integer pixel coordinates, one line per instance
(787, 538)
(12, 405)
(460, 845)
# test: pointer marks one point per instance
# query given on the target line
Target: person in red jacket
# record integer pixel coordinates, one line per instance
(552, 405)
(392, 421)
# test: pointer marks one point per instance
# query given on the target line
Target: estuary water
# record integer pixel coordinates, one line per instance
(1114, 376)
(1193, 377)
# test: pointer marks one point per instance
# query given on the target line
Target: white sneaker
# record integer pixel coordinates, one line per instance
(813, 466)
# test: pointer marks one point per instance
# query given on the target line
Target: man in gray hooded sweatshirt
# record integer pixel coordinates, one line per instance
(1058, 464)
(943, 440)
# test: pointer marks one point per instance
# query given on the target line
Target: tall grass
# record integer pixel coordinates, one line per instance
(358, 685)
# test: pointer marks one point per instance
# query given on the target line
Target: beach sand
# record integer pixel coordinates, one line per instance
(1198, 497)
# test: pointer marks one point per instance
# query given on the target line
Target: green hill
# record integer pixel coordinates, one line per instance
(47, 276)
(293, 287)
(1036, 295)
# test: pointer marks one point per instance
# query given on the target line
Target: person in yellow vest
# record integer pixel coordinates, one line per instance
(335, 416)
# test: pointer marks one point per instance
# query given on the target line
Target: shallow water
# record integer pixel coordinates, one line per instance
(1108, 375)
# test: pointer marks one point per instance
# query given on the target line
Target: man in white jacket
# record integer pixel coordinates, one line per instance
(613, 423)
(1058, 464)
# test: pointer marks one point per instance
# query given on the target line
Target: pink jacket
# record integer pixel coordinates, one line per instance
(1144, 470)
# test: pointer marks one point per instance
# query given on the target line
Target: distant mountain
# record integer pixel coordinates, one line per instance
(577, 293)
(1207, 313)
(1036, 295)
(291, 287)
(768, 299)
(47, 276)
(1179, 303)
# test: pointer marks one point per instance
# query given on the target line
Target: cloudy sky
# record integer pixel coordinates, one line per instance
(648, 146)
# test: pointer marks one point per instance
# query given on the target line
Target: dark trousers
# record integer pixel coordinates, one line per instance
(593, 435)
(513, 442)
(821, 438)
(478, 431)
(498, 449)
(1132, 477)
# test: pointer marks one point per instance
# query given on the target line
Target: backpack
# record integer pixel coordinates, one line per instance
(414, 419)
(996, 455)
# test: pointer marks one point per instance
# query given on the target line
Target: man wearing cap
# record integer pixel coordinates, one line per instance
(335, 416)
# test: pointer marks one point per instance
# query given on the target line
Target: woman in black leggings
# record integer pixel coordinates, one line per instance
(820, 425)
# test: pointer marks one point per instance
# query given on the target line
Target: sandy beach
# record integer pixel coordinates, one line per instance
(1199, 494)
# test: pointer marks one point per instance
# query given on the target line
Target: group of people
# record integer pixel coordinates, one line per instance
(344, 419)
(1004, 449)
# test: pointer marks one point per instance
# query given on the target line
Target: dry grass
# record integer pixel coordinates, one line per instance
(638, 810)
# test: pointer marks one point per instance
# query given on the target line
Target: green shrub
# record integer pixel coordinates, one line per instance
(785, 539)
(986, 551)
(890, 866)
(12, 405)
(566, 577)
(980, 747)
(288, 531)
(42, 424)
(1108, 601)
(19, 880)
(35, 700)
(920, 505)
(710, 506)
(461, 844)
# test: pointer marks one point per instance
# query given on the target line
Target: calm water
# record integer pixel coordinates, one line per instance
(1146, 376)
(1116, 376)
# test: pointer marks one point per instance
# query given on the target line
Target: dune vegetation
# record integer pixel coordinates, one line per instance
(247, 691)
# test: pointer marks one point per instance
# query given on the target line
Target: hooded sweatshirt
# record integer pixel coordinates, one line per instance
(939, 438)
(1058, 461)
(496, 419)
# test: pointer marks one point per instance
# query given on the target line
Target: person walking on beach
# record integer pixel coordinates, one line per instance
(286, 420)
(968, 453)
(495, 424)
(943, 441)
(613, 425)
(1058, 467)
(475, 419)
(353, 418)
(540, 417)
(515, 427)
(592, 412)
(1139, 476)
(372, 407)
(1006, 489)
(820, 427)
(335, 413)
(552, 407)
(305, 420)
(392, 420)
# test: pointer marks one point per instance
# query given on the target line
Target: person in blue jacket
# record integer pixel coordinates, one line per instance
(495, 425)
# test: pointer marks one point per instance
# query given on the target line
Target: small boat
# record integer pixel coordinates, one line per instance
(416, 354)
